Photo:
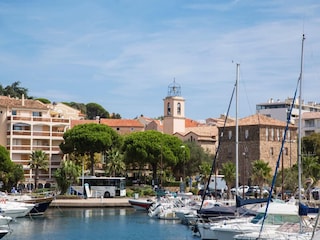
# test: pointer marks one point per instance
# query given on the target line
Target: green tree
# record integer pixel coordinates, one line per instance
(311, 145)
(229, 172)
(197, 157)
(80, 106)
(94, 110)
(43, 100)
(115, 165)
(261, 172)
(14, 90)
(205, 172)
(155, 149)
(10, 173)
(67, 174)
(88, 139)
(38, 161)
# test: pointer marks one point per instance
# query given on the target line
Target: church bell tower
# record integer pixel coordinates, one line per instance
(174, 113)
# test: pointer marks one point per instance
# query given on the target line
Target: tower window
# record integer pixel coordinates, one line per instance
(246, 134)
(179, 108)
(168, 109)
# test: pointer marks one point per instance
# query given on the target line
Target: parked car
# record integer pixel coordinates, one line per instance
(241, 189)
(253, 191)
(210, 193)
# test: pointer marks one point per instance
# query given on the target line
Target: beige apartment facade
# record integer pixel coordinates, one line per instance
(28, 125)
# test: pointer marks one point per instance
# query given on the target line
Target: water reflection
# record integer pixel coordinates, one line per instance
(96, 223)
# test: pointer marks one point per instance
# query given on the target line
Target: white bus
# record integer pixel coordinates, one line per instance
(98, 187)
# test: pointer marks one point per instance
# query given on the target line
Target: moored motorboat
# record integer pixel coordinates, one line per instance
(41, 204)
(15, 209)
(3, 232)
(141, 204)
(4, 220)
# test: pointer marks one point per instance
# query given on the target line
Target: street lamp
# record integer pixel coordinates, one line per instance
(184, 160)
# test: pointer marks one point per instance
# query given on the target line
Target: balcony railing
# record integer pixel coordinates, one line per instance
(35, 133)
(37, 119)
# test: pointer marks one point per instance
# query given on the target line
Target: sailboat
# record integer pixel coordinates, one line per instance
(284, 232)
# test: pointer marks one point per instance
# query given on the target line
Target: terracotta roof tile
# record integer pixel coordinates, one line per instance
(311, 115)
(111, 122)
(191, 123)
(259, 119)
(121, 122)
(21, 103)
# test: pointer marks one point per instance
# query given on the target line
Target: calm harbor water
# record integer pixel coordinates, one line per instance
(93, 223)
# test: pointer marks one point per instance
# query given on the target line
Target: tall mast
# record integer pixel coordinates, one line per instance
(299, 129)
(237, 130)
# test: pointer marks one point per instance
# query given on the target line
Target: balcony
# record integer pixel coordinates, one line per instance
(38, 119)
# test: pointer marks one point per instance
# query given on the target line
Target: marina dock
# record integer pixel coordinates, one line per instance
(91, 202)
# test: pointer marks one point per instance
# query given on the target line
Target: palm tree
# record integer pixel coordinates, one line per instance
(38, 161)
(229, 172)
(205, 171)
(261, 172)
(67, 174)
(115, 165)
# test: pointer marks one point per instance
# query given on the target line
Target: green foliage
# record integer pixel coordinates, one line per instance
(14, 90)
(10, 173)
(311, 145)
(67, 174)
(261, 172)
(144, 191)
(38, 161)
(88, 139)
(197, 157)
(115, 166)
(94, 110)
(80, 106)
(43, 100)
(229, 172)
(160, 150)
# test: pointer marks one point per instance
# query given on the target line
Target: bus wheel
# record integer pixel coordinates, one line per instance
(106, 195)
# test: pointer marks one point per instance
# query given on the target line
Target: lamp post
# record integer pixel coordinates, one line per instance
(183, 166)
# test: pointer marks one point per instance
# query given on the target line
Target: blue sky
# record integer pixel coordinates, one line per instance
(123, 54)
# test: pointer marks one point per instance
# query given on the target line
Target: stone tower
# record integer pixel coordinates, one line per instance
(174, 114)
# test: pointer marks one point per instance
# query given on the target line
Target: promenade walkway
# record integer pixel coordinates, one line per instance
(91, 202)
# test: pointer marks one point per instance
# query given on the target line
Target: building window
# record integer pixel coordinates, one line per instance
(168, 109)
(267, 134)
(286, 152)
(309, 123)
(246, 134)
(271, 151)
(14, 112)
(118, 129)
(278, 134)
(36, 114)
(179, 108)
(230, 134)
(272, 134)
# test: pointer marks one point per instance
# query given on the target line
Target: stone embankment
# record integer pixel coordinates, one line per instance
(91, 202)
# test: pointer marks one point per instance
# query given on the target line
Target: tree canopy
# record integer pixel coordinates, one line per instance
(14, 90)
(89, 139)
(159, 150)
(95, 110)
(10, 173)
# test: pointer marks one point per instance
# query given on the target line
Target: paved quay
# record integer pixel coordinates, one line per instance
(91, 202)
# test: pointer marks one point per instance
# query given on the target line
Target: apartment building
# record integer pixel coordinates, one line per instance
(310, 123)
(28, 125)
